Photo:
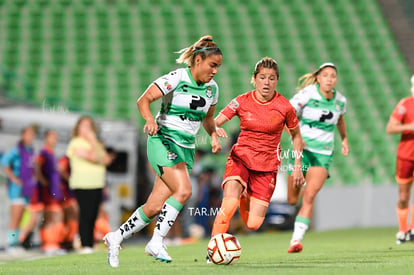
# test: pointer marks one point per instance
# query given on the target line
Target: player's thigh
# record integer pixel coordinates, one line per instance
(235, 178)
(404, 171)
(315, 178)
(261, 187)
(163, 154)
(233, 189)
(257, 208)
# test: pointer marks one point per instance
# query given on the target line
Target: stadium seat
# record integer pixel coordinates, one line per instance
(106, 53)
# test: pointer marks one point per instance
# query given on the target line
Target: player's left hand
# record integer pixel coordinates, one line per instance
(221, 132)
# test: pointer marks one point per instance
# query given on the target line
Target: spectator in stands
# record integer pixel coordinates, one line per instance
(319, 107)
(189, 96)
(19, 168)
(88, 159)
(402, 122)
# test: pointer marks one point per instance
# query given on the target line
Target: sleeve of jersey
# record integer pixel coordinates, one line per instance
(167, 83)
(231, 109)
(8, 157)
(40, 159)
(216, 96)
(298, 101)
(399, 111)
(343, 111)
(291, 118)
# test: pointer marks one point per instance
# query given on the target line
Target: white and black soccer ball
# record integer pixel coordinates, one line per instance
(224, 248)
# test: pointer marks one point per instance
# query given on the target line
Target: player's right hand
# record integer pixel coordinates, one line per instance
(298, 179)
(151, 127)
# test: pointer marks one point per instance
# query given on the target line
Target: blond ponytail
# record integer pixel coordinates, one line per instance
(203, 47)
(307, 79)
(310, 78)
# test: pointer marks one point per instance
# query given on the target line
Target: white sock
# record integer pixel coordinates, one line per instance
(137, 221)
(299, 231)
(166, 219)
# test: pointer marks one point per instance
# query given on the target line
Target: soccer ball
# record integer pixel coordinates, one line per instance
(224, 249)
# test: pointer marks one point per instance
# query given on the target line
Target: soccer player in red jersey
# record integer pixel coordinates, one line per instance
(251, 168)
(45, 198)
(402, 121)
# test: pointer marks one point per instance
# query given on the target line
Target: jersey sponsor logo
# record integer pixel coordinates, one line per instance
(209, 92)
(189, 118)
(197, 101)
(338, 107)
(402, 110)
(233, 104)
(326, 115)
(167, 85)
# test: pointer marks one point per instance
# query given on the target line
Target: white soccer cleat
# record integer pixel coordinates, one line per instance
(402, 237)
(208, 261)
(16, 251)
(158, 251)
(113, 249)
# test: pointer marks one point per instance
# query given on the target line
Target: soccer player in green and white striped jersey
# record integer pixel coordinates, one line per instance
(320, 109)
(189, 96)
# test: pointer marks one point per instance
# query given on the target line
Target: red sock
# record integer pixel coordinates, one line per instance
(72, 227)
(402, 215)
(51, 236)
(222, 221)
(412, 217)
(101, 228)
(244, 213)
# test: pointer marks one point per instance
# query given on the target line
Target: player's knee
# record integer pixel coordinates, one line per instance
(183, 195)
(292, 200)
(309, 199)
(403, 203)
(254, 222)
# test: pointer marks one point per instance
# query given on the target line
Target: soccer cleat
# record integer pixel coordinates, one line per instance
(16, 251)
(113, 249)
(208, 261)
(295, 247)
(55, 252)
(410, 235)
(158, 251)
(402, 237)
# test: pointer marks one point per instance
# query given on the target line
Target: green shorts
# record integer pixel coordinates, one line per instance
(163, 152)
(310, 159)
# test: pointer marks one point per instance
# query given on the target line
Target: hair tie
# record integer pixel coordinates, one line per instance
(206, 48)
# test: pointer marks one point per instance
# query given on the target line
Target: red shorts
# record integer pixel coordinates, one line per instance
(259, 185)
(405, 171)
(66, 191)
(42, 200)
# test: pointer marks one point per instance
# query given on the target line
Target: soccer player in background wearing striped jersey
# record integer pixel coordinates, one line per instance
(402, 122)
(251, 169)
(189, 96)
(319, 107)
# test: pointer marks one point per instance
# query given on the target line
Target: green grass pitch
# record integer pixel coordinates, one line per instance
(356, 251)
